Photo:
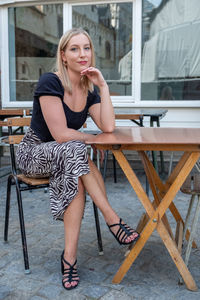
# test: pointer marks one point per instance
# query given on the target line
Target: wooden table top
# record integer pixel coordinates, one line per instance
(151, 138)
(13, 112)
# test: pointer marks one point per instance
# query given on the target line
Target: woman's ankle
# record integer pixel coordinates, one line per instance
(70, 257)
(111, 218)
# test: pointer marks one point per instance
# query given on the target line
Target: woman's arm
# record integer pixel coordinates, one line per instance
(55, 119)
(102, 113)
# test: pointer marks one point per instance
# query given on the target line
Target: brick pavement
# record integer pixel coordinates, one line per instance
(153, 275)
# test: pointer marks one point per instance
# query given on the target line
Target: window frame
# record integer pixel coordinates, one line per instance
(118, 101)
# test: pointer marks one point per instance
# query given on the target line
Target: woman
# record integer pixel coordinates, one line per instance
(54, 147)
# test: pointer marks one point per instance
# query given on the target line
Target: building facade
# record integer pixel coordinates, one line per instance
(147, 50)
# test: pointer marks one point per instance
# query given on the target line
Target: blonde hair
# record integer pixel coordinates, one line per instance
(61, 67)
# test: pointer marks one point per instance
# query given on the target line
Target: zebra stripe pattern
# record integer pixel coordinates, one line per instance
(62, 163)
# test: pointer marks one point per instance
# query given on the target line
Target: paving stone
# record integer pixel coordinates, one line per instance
(69, 295)
(92, 276)
(50, 291)
(27, 284)
(152, 276)
(95, 291)
(55, 278)
(5, 291)
(18, 295)
(114, 295)
(37, 298)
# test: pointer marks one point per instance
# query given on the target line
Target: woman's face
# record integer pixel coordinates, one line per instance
(78, 53)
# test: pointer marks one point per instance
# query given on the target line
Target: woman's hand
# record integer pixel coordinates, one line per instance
(95, 76)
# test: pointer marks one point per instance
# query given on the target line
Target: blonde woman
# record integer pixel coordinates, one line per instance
(54, 147)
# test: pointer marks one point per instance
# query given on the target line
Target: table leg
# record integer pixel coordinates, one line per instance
(161, 152)
(152, 178)
(154, 153)
(164, 187)
(156, 218)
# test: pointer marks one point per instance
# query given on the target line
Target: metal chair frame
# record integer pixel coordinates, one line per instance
(23, 183)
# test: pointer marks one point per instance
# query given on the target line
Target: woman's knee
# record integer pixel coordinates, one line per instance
(92, 166)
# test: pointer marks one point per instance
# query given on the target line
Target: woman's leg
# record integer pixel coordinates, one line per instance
(72, 223)
(94, 184)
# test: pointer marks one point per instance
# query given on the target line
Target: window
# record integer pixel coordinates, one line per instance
(107, 50)
(23, 68)
(34, 33)
(170, 50)
(110, 27)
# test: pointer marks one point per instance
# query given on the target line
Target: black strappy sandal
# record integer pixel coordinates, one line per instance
(68, 273)
(123, 233)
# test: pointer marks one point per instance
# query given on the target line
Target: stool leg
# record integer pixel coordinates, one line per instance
(162, 162)
(170, 163)
(192, 233)
(188, 214)
(105, 165)
(114, 169)
(197, 165)
(155, 163)
(98, 160)
(96, 215)
(23, 232)
(186, 227)
(98, 230)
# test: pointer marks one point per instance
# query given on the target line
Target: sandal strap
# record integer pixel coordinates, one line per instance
(117, 224)
(69, 272)
(123, 232)
(70, 275)
(67, 263)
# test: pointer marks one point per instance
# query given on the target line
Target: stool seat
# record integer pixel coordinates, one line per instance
(191, 185)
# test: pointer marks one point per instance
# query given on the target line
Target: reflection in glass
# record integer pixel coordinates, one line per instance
(34, 34)
(110, 27)
(170, 50)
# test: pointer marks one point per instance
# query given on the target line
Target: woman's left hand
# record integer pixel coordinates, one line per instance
(95, 76)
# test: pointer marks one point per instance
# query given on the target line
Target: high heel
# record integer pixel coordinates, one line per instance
(123, 233)
(69, 274)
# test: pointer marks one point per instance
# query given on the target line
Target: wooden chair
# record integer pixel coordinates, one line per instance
(191, 187)
(24, 183)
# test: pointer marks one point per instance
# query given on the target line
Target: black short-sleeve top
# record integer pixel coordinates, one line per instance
(50, 84)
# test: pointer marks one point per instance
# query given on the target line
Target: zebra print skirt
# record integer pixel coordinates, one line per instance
(62, 163)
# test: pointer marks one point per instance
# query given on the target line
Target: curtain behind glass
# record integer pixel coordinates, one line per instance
(170, 50)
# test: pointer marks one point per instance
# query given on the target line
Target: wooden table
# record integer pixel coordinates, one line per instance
(13, 112)
(153, 114)
(155, 139)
